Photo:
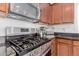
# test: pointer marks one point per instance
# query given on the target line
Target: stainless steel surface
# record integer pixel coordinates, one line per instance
(25, 11)
(10, 52)
(25, 44)
(11, 31)
(40, 51)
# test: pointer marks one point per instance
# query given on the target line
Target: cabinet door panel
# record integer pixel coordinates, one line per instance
(53, 48)
(62, 49)
(56, 13)
(45, 13)
(68, 12)
(75, 50)
(4, 7)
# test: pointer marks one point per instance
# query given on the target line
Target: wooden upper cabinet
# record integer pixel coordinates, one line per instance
(62, 13)
(45, 14)
(4, 7)
(56, 13)
(68, 13)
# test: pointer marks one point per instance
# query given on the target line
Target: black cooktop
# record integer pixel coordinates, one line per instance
(25, 44)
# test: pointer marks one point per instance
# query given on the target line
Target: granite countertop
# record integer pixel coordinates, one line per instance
(74, 36)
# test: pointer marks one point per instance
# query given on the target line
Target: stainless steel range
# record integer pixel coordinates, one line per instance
(21, 45)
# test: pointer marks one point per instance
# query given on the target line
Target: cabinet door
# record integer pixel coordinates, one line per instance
(64, 49)
(56, 13)
(53, 47)
(75, 48)
(68, 13)
(4, 7)
(45, 13)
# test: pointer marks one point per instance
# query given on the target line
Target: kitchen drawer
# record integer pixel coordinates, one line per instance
(64, 41)
(76, 43)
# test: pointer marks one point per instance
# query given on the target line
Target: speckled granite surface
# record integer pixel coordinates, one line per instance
(67, 35)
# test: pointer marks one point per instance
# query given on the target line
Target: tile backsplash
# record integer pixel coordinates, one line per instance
(68, 28)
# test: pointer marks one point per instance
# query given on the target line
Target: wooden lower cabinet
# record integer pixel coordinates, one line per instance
(53, 48)
(61, 47)
(64, 49)
(75, 48)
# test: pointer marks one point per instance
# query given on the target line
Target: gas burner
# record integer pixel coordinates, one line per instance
(26, 43)
(27, 46)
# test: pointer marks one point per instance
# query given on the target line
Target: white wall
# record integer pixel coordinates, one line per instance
(69, 28)
(7, 22)
(4, 22)
(77, 15)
